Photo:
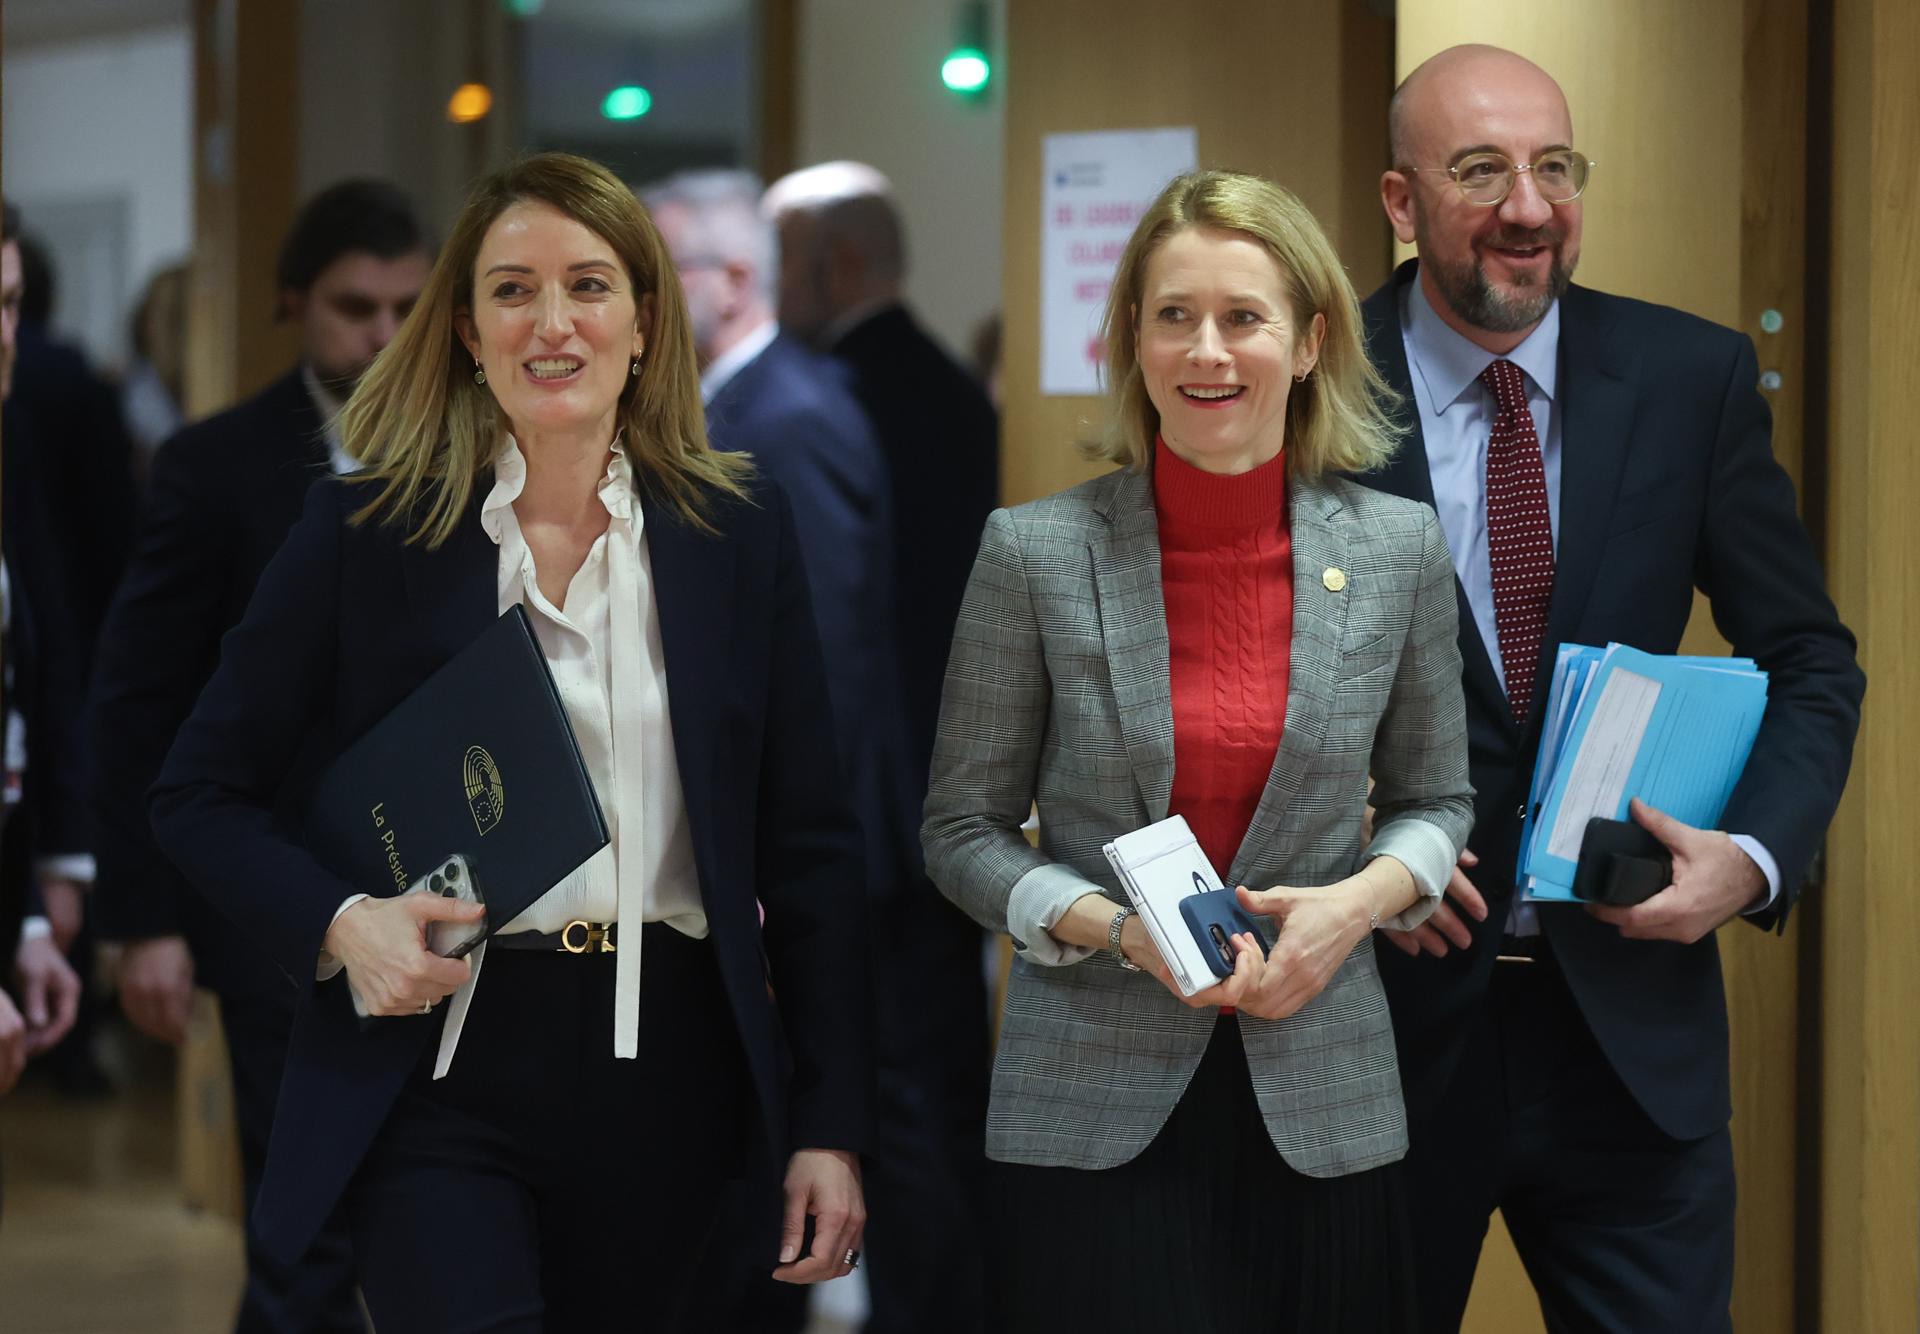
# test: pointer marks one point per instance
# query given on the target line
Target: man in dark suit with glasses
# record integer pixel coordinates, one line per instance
(1593, 461)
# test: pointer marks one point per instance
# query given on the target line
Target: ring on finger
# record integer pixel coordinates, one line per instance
(851, 1259)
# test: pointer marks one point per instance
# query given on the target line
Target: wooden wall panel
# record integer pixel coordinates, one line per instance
(245, 125)
(1295, 92)
(1869, 1145)
(1697, 202)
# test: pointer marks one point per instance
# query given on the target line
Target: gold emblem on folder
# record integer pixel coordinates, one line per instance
(1334, 578)
(486, 795)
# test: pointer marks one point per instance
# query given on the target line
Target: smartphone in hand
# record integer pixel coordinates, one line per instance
(453, 879)
(1215, 918)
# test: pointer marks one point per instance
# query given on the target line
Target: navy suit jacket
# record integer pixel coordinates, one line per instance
(346, 622)
(224, 493)
(22, 692)
(1668, 484)
(942, 442)
(789, 409)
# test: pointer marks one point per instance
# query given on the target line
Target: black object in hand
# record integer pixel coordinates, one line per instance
(1620, 864)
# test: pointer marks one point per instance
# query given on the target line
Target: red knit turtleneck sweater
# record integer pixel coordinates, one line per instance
(1226, 568)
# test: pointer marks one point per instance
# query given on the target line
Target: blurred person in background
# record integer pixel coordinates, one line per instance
(842, 269)
(548, 1150)
(39, 804)
(82, 466)
(223, 494)
(69, 461)
(153, 391)
(984, 354)
(771, 396)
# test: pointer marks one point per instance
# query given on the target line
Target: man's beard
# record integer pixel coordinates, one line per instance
(1466, 290)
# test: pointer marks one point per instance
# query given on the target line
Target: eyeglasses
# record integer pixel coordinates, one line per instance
(1487, 178)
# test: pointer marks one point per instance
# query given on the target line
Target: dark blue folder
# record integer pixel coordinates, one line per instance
(479, 760)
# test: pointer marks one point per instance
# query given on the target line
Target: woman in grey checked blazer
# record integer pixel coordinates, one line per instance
(1225, 629)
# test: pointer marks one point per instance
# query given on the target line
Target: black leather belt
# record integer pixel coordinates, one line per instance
(1524, 949)
(576, 937)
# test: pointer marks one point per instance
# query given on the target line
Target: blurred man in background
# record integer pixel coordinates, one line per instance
(39, 808)
(771, 396)
(842, 267)
(224, 493)
(69, 464)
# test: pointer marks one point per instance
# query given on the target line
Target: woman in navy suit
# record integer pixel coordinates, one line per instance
(534, 1138)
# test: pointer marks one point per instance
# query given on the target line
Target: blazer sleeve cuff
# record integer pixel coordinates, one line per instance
(1040, 898)
(67, 866)
(329, 967)
(1427, 852)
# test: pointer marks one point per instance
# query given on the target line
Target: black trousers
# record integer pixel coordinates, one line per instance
(1207, 1231)
(317, 1295)
(544, 1184)
(1621, 1227)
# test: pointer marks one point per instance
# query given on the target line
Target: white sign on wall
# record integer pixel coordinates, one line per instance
(1097, 187)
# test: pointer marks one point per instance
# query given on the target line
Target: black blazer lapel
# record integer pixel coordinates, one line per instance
(694, 597)
(1407, 474)
(453, 592)
(1597, 375)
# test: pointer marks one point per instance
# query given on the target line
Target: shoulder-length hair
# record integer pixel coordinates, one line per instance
(425, 432)
(1337, 417)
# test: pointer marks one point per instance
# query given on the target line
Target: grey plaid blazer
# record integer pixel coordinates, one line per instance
(1058, 692)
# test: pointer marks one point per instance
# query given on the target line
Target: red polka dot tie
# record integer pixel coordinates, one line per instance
(1519, 534)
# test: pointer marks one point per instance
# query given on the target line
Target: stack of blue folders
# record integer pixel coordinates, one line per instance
(1673, 731)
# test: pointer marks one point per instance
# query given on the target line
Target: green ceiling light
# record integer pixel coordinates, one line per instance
(627, 103)
(966, 70)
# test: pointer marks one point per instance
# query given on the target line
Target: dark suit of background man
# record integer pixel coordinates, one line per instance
(1585, 1093)
(772, 396)
(70, 493)
(842, 265)
(224, 493)
(39, 993)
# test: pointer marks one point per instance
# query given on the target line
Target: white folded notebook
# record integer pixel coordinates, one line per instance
(1158, 867)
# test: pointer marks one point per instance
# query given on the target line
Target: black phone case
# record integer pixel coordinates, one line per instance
(1217, 909)
(1620, 864)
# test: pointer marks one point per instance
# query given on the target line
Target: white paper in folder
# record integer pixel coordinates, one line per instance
(1158, 867)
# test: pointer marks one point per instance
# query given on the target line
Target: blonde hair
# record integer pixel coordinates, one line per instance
(1337, 418)
(425, 432)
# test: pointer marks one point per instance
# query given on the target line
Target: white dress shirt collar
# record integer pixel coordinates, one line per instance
(328, 405)
(510, 479)
(1446, 363)
(736, 359)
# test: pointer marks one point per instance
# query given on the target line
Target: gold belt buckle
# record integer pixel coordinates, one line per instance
(592, 936)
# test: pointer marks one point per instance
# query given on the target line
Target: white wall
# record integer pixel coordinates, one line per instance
(870, 90)
(91, 123)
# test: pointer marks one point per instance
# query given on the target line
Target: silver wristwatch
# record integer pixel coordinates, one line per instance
(1113, 940)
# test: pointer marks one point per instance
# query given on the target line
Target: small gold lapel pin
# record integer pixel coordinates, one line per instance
(1334, 578)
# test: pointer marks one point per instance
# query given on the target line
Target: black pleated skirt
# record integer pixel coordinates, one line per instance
(1207, 1231)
